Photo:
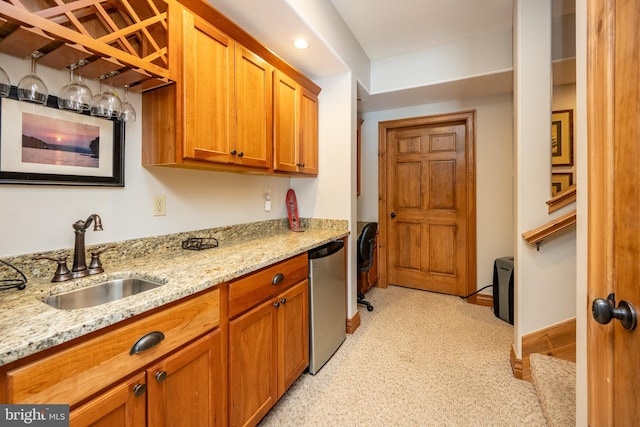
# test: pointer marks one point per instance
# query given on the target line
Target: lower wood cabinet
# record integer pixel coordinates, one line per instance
(187, 388)
(226, 356)
(269, 344)
(183, 389)
(123, 405)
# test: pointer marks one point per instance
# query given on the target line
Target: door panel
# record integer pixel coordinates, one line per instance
(614, 202)
(209, 91)
(430, 195)
(254, 108)
(252, 365)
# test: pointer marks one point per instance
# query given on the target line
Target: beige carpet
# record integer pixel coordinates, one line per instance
(418, 359)
(555, 383)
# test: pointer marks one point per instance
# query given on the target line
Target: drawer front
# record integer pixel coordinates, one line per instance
(254, 288)
(77, 372)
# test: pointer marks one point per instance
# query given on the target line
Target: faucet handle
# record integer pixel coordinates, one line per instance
(95, 266)
(62, 272)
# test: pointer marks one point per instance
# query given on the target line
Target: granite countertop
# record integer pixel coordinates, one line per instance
(28, 325)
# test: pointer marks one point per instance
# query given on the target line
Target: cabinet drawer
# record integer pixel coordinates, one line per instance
(77, 372)
(254, 288)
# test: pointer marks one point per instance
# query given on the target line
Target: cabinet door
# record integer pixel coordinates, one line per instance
(187, 387)
(308, 157)
(293, 335)
(119, 406)
(252, 365)
(286, 104)
(254, 109)
(208, 91)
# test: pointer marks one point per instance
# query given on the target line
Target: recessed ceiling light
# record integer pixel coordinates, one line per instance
(301, 43)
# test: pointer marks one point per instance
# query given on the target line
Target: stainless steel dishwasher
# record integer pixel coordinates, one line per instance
(327, 303)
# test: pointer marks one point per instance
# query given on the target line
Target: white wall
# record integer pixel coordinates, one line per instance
(478, 56)
(332, 196)
(494, 172)
(545, 280)
(39, 218)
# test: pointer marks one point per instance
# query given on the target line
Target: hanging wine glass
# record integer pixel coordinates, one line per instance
(107, 103)
(76, 95)
(127, 113)
(31, 88)
(5, 83)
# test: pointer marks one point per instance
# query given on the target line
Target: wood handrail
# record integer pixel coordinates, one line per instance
(537, 235)
(562, 199)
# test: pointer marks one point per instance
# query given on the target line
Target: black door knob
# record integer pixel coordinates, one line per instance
(393, 214)
(603, 310)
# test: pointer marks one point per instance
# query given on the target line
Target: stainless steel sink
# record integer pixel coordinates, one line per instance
(101, 293)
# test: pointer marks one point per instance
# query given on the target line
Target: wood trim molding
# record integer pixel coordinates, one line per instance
(557, 340)
(516, 364)
(548, 230)
(481, 299)
(353, 323)
(562, 199)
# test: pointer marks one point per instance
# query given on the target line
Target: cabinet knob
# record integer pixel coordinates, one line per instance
(283, 301)
(139, 389)
(240, 154)
(300, 165)
(233, 152)
(161, 376)
(276, 304)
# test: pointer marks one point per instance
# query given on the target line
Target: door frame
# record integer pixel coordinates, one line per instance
(469, 119)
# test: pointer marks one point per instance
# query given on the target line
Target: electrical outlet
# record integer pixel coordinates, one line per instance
(159, 205)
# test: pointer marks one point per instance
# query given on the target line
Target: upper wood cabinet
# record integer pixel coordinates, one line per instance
(222, 113)
(295, 127)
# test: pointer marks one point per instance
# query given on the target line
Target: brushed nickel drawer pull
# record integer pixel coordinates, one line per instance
(146, 342)
(277, 279)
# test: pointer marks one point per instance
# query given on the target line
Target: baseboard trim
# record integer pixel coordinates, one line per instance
(353, 323)
(557, 340)
(481, 299)
(516, 364)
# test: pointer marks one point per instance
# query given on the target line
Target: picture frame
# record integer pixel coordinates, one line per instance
(45, 145)
(560, 181)
(562, 138)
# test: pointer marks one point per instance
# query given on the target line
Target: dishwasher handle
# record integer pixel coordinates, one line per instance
(326, 249)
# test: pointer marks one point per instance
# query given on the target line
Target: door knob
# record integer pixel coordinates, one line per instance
(393, 214)
(603, 310)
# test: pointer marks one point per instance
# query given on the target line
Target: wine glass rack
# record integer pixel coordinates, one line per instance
(126, 38)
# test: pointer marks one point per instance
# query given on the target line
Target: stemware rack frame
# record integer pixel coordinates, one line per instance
(128, 39)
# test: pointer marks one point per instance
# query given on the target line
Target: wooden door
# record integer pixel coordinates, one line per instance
(185, 388)
(293, 335)
(308, 144)
(118, 406)
(614, 202)
(254, 109)
(427, 210)
(208, 91)
(252, 365)
(286, 105)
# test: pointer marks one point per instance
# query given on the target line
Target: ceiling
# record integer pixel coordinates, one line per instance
(387, 28)
(383, 28)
